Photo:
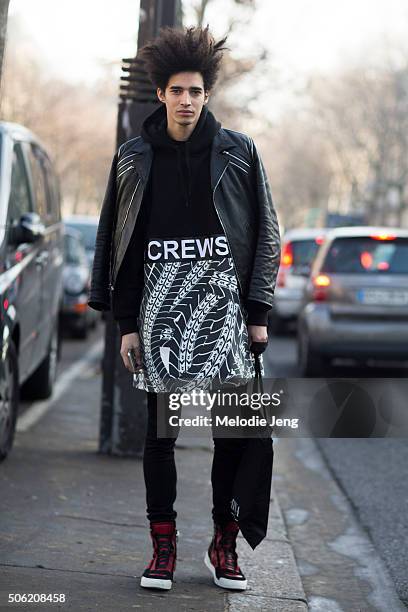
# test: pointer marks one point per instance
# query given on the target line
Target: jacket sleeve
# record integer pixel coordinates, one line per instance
(99, 294)
(257, 312)
(267, 254)
(127, 296)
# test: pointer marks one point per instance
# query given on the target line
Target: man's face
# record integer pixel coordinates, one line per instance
(184, 98)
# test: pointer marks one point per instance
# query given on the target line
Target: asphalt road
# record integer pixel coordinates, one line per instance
(372, 472)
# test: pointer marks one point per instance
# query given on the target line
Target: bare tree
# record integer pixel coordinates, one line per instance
(299, 169)
(75, 122)
(4, 4)
(234, 70)
(363, 113)
(200, 9)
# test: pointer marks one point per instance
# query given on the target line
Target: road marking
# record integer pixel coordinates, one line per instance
(38, 409)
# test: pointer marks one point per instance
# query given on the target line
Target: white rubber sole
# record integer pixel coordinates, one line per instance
(155, 583)
(225, 583)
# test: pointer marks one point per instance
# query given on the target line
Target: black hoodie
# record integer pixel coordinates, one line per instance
(177, 203)
(180, 181)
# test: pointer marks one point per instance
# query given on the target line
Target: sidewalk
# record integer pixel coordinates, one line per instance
(73, 522)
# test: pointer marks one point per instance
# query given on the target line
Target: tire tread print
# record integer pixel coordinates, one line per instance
(194, 309)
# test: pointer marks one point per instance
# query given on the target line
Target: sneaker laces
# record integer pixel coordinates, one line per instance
(163, 550)
(228, 543)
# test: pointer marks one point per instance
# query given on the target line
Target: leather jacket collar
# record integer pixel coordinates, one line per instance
(222, 142)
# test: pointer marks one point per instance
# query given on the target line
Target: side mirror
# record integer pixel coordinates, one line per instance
(30, 229)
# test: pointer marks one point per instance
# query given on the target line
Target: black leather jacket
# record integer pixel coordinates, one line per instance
(244, 207)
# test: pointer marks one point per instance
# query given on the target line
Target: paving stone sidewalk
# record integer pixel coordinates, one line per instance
(73, 522)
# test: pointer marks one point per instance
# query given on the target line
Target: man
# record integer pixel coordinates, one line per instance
(188, 264)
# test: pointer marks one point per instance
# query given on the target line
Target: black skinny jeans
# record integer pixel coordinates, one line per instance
(160, 474)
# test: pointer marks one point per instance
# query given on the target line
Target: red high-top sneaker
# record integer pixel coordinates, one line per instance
(159, 572)
(222, 559)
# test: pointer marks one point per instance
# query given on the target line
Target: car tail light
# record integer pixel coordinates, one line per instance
(281, 279)
(321, 283)
(285, 263)
(287, 255)
(80, 307)
(319, 239)
(321, 280)
(383, 236)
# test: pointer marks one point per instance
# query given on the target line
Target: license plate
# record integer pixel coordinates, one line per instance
(383, 297)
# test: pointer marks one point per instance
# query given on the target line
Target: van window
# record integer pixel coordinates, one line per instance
(39, 185)
(52, 191)
(19, 201)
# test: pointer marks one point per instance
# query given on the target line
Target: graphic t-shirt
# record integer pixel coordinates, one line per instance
(191, 322)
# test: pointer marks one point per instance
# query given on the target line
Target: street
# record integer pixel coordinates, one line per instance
(369, 471)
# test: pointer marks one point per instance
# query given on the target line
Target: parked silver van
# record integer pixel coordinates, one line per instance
(31, 265)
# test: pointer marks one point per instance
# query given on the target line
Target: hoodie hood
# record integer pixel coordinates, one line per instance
(154, 131)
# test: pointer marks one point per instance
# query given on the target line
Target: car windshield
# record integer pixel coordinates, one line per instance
(88, 231)
(367, 255)
(74, 251)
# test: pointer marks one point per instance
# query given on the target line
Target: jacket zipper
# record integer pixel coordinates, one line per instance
(123, 171)
(238, 166)
(238, 158)
(111, 285)
(220, 220)
(120, 161)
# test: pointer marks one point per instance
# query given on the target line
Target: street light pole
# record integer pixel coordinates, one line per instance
(123, 408)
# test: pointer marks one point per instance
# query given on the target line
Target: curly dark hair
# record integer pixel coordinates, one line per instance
(192, 49)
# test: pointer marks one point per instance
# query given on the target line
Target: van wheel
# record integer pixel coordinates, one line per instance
(9, 400)
(310, 362)
(41, 382)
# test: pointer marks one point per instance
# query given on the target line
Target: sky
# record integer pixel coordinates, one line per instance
(77, 36)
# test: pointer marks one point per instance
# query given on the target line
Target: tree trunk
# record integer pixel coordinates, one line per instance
(4, 4)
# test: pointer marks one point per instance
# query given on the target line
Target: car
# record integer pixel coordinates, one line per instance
(299, 247)
(356, 299)
(31, 266)
(87, 225)
(75, 315)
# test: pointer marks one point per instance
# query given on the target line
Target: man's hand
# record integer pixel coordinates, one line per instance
(258, 338)
(130, 341)
(258, 333)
